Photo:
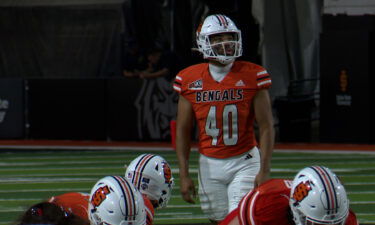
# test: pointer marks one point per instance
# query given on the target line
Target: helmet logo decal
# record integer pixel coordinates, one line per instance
(301, 191)
(99, 196)
(167, 173)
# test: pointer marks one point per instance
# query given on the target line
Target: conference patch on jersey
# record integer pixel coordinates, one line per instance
(196, 85)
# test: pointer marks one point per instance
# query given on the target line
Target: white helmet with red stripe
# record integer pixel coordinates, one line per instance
(152, 175)
(115, 201)
(225, 51)
(318, 197)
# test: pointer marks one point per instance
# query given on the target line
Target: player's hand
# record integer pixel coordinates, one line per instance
(187, 189)
(260, 178)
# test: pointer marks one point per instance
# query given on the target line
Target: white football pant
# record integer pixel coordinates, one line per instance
(223, 182)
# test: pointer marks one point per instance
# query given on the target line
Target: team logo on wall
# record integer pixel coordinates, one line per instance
(157, 106)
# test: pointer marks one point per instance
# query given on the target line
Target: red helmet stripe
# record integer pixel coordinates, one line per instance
(128, 197)
(329, 188)
(137, 176)
(223, 21)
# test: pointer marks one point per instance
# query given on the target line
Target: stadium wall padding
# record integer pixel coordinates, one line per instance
(347, 78)
(120, 109)
(12, 111)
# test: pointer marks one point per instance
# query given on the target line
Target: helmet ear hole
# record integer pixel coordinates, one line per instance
(157, 167)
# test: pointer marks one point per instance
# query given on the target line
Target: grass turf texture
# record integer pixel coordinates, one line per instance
(30, 176)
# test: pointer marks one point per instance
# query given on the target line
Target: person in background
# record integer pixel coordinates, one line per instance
(225, 97)
(134, 59)
(157, 65)
(315, 197)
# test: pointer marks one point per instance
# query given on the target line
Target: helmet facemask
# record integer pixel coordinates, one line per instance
(219, 39)
(225, 51)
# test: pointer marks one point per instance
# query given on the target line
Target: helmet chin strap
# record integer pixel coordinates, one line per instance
(225, 61)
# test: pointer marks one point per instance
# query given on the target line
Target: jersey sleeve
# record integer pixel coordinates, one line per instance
(177, 84)
(263, 79)
(149, 210)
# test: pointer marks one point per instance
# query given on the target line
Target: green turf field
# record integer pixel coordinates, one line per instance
(27, 177)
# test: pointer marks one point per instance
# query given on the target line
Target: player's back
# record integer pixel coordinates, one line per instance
(73, 202)
(266, 205)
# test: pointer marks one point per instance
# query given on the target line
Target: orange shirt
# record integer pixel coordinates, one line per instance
(73, 202)
(149, 210)
(269, 204)
(223, 110)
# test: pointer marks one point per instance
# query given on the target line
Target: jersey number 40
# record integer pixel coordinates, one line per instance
(229, 125)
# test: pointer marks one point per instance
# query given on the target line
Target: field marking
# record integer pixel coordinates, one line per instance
(362, 203)
(43, 190)
(96, 148)
(176, 170)
(121, 162)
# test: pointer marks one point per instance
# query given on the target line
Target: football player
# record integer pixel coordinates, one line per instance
(152, 176)
(315, 197)
(113, 200)
(225, 97)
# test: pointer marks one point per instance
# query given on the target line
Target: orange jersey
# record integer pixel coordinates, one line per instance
(73, 202)
(223, 110)
(269, 204)
(149, 210)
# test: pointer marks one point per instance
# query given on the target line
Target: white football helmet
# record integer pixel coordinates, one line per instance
(219, 24)
(318, 197)
(115, 201)
(152, 175)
